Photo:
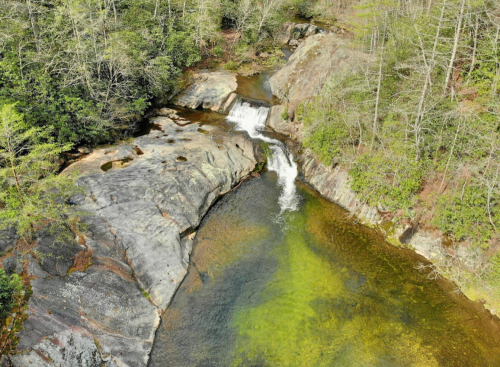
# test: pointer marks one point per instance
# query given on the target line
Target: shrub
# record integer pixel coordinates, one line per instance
(9, 288)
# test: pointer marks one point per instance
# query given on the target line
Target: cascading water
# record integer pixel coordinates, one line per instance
(253, 120)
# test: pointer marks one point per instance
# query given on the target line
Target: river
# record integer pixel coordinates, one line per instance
(279, 276)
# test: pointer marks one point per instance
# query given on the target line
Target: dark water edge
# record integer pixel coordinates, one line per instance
(313, 288)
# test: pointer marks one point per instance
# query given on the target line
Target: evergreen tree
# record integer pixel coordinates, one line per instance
(32, 194)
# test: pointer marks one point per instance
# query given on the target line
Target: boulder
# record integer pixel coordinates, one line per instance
(9, 264)
(276, 122)
(56, 255)
(299, 31)
(208, 90)
(106, 309)
(8, 238)
(84, 150)
(286, 33)
(310, 66)
(165, 111)
(311, 30)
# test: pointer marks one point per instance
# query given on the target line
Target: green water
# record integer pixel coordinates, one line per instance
(312, 288)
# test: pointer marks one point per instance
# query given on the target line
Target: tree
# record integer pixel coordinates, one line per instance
(32, 194)
(9, 288)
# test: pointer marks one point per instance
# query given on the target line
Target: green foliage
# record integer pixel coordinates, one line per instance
(10, 287)
(87, 70)
(465, 215)
(284, 114)
(391, 181)
(31, 192)
(218, 51)
(427, 122)
(255, 20)
(327, 140)
(231, 65)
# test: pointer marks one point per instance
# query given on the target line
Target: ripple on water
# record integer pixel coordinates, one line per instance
(319, 291)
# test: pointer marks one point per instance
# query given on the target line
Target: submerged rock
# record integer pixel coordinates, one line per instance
(104, 309)
(208, 90)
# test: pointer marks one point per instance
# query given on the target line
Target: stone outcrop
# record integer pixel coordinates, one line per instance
(293, 32)
(97, 299)
(310, 66)
(286, 127)
(318, 58)
(333, 183)
(208, 90)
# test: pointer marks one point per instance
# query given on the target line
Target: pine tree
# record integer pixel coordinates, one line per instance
(31, 192)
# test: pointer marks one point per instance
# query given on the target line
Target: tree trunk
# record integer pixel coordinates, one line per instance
(455, 47)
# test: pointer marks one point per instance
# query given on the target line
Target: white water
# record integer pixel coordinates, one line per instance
(253, 121)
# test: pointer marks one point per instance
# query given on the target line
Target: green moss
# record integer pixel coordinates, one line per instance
(259, 167)
(145, 294)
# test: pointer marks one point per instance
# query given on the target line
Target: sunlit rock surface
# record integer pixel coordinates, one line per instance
(208, 90)
(144, 198)
(311, 65)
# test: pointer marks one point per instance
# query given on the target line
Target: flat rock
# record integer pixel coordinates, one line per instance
(310, 66)
(208, 90)
(143, 198)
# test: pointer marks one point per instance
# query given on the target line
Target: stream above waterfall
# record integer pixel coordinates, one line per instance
(280, 276)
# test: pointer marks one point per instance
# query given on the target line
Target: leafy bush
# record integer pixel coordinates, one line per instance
(391, 181)
(10, 287)
(465, 215)
(231, 65)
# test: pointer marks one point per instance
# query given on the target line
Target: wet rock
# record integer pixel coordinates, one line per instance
(107, 312)
(8, 239)
(229, 102)
(310, 66)
(311, 30)
(9, 264)
(165, 111)
(208, 90)
(56, 254)
(84, 150)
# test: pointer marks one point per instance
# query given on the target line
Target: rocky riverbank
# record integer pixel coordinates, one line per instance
(317, 59)
(97, 300)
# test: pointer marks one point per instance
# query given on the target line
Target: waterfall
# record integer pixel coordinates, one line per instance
(253, 120)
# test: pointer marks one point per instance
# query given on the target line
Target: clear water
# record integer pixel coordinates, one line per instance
(312, 288)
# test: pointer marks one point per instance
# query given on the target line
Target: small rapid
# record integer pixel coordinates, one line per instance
(252, 119)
